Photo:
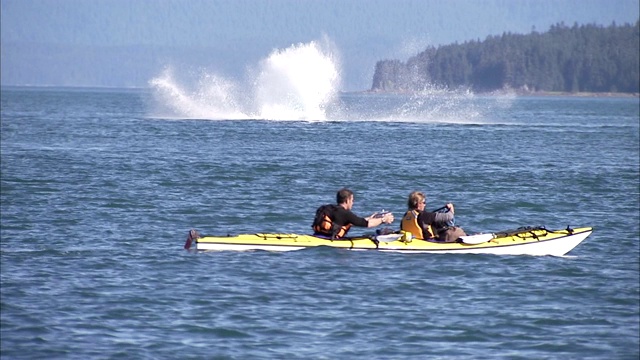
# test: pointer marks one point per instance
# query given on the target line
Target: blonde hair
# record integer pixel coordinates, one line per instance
(415, 198)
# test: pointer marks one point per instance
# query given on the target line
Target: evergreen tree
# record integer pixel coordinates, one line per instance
(586, 58)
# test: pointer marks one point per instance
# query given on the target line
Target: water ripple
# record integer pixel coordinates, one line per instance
(95, 210)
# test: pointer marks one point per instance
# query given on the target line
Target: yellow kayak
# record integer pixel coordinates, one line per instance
(522, 241)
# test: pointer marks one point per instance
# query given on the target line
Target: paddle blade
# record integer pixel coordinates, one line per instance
(389, 237)
(192, 236)
(476, 239)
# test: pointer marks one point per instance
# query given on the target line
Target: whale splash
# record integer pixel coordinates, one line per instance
(211, 99)
(302, 82)
(296, 83)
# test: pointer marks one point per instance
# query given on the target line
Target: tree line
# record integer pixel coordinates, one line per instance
(585, 58)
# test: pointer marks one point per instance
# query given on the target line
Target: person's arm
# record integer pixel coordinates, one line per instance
(444, 217)
(377, 221)
(368, 221)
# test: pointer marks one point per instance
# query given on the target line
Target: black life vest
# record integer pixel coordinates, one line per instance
(323, 223)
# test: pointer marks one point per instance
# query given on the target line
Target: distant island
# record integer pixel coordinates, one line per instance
(577, 60)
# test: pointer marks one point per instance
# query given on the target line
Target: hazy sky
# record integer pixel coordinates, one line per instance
(125, 42)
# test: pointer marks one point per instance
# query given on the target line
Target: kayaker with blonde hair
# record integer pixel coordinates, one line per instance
(426, 225)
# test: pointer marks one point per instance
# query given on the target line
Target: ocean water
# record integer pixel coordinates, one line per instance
(100, 187)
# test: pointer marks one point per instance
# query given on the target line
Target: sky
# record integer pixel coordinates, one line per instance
(126, 43)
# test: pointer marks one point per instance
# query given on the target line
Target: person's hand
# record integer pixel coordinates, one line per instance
(450, 207)
(388, 218)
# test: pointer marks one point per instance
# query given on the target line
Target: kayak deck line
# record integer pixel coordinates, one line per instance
(522, 241)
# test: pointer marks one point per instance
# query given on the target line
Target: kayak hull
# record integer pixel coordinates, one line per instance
(539, 242)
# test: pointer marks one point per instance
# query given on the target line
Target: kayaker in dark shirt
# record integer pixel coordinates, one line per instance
(424, 224)
(336, 220)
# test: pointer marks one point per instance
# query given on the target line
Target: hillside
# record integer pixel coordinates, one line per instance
(586, 58)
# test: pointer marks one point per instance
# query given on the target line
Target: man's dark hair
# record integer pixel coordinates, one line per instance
(343, 195)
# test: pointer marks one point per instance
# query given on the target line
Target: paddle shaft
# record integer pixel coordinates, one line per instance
(439, 209)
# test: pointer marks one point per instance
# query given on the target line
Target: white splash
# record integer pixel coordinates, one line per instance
(302, 82)
(435, 104)
(212, 99)
(296, 83)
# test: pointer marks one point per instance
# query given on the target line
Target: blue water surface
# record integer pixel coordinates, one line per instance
(98, 194)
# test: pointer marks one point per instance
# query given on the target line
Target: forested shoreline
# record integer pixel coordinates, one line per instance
(578, 59)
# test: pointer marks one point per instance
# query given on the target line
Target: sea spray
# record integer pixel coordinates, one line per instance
(302, 82)
(296, 83)
(436, 104)
(212, 98)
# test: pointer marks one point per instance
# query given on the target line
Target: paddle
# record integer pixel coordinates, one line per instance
(477, 239)
(440, 209)
(193, 235)
(389, 237)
